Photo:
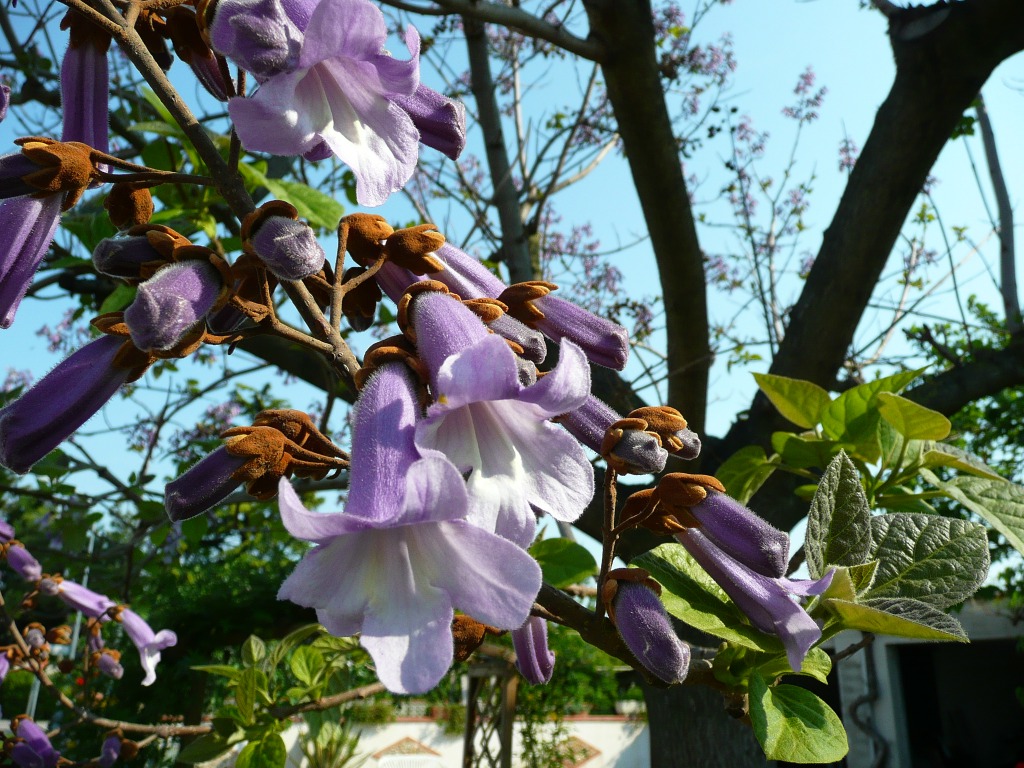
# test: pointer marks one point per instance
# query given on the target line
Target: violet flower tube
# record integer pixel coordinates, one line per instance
(647, 630)
(533, 658)
(638, 451)
(441, 121)
(172, 303)
(21, 560)
(489, 424)
(401, 556)
(59, 403)
(85, 85)
(33, 750)
(28, 224)
(768, 602)
(148, 642)
(204, 485)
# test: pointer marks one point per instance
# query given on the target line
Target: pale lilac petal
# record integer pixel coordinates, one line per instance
(318, 527)
(352, 28)
(809, 587)
(485, 371)
(434, 492)
(80, 598)
(258, 35)
(284, 116)
(337, 579)
(534, 660)
(411, 644)
(383, 437)
(566, 386)
(148, 643)
(491, 579)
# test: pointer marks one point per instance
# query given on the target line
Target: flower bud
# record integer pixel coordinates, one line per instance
(288, 248)
(172, 303)
(533, 658)
(646, 629)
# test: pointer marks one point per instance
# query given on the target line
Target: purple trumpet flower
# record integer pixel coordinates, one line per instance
(204, 485)
(6, 532)
(730, 526)
(59, 403)
(21, 560)
(329, 87)
(401, 556)
(489, 424)
(441, 121)
(32, 749)
(288, 248)
(646, 629)
(28, 224)
(108, 663)
(172, 303)
(604, 342)
(149, 643)
(768, 602)
(78, 598)
(637, 451)
(338, 97)
(12, 168)
(110, 751)
(533, 658)
(85, 84)
(5, 100)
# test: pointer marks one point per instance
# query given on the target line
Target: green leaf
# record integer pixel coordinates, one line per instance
(802, 452)
(119, 298)
(563, 561)
(794, 725)
(290, 641)
(913, 421)
(306, 664)
(838, 524)
(207, 747)
(817, 664)
(219, 669)
(692, 596)
(319, 209)
(254, 651)
(900, 617)
(744, 472)
(853, 416)
(863, 576)
(802, 402)
(942, 455)
(245, 694)
(268, 752)
(161, 129)
(937, 560)
(998, 502)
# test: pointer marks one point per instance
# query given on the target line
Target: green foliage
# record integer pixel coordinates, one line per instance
(563, 561)
(303, 667)
(794, 725)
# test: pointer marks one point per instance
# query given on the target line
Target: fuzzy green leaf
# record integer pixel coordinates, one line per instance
(913, 421)
(802, 402)
(937, 560)
(563, 561)
(838, 524)
(794, 725)
(744, 472)
(853, 416)
(899, 617)
(998, 502)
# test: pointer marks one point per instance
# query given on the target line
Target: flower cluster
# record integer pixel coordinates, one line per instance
(99, 609)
